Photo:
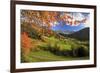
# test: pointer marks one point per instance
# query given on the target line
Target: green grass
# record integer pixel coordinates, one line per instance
(45, 56)
(54, 42)
(41, 49)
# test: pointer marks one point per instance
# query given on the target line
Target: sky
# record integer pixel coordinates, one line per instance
(77, 16)
(68, 27)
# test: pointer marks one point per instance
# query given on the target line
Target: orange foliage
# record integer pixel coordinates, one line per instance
(46, 17)
(25, 43)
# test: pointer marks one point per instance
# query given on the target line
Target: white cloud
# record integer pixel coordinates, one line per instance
(78, 16)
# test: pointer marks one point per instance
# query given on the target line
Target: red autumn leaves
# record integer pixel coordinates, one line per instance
(25, 42)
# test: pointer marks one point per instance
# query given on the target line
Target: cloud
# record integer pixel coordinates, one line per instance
(79, 18)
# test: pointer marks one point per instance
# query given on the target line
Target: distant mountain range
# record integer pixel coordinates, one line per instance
(80, 35)
(65, 32)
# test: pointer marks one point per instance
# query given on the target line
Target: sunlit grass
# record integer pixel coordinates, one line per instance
(46, 56)
(52, 49)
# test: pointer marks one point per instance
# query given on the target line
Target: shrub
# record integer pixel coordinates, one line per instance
(26, 43)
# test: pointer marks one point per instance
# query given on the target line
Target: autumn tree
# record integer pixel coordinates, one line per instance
(43, 18)
(25, 43)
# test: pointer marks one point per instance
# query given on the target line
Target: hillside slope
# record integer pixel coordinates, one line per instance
(79, 35)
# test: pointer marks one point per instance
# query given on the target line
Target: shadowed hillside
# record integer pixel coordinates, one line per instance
(81, 35)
